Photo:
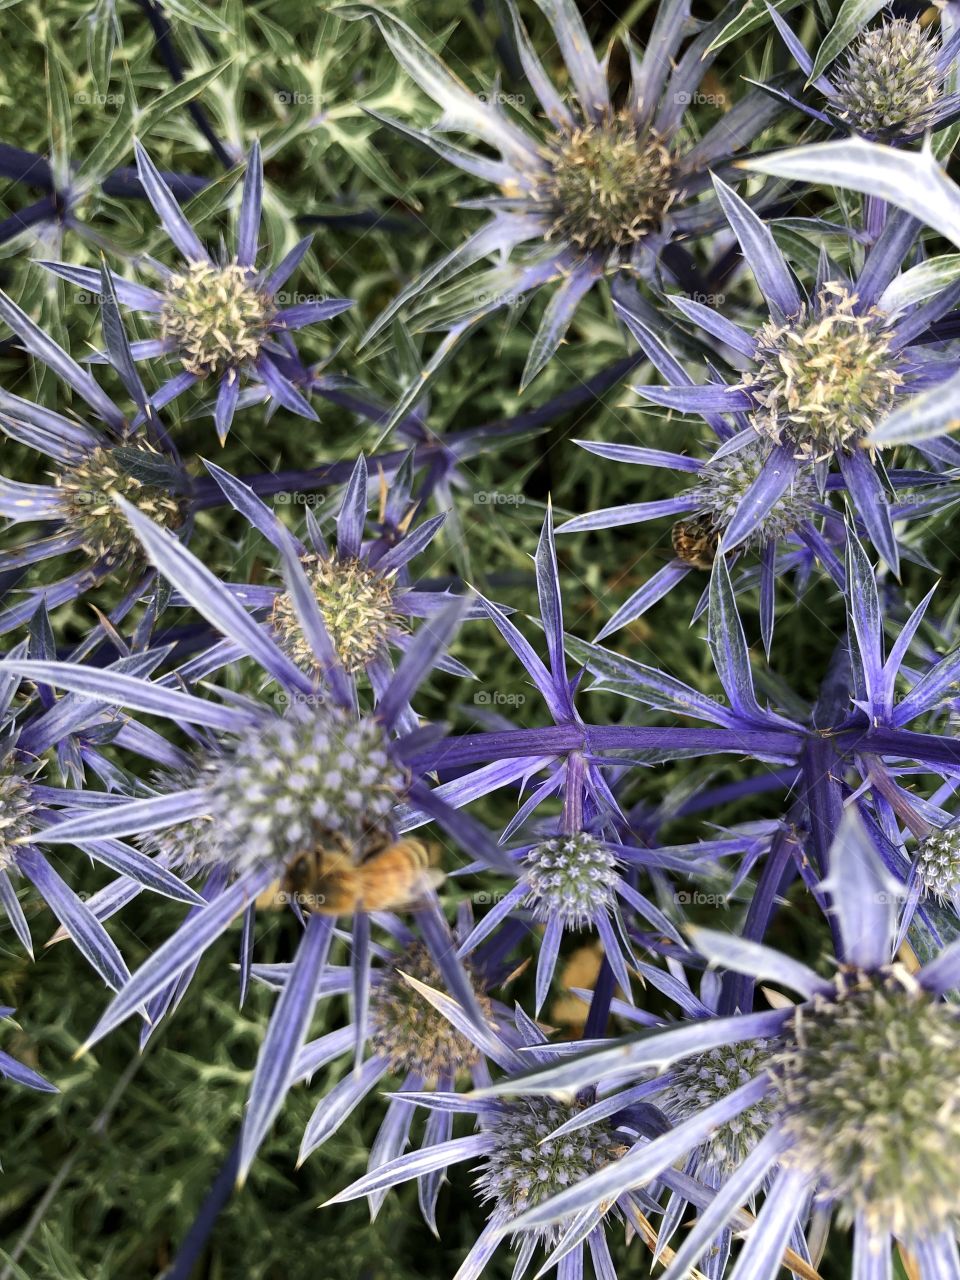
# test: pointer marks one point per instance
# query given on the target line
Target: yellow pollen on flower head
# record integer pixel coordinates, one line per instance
(216, 317)
(357, 604)
(825, 376)
(140, 474)
(610, 184)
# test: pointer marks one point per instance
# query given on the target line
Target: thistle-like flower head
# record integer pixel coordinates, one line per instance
(108, 454)
(215, 317)
(814, 380)
(300, 780)
(867, 1093)
(608, 185)
(528, 1166)
(708, 1077)
(411, 1034)
(571, 878)
(137, 472)
(938, 862)
(848, 1096)
(891, 81)
(890, 86)
(357, 603)
(17, 806)
(724, 482)
(361, 585)
(825, 376)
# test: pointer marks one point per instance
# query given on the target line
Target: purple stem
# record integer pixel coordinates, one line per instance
(196, 1238)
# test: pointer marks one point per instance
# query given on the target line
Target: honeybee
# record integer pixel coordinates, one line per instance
(390, 874)
(695, 542)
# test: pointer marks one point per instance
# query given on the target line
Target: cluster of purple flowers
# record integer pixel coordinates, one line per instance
(268, 750)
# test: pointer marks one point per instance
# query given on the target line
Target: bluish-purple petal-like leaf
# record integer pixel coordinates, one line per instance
(864, 896)
(547, 953)
(557, 316)
(286, 267)
(728, 644)
(741, 955)
(762, 1254)
(185, 946)
(645, 597)
(576, 48)
(248, 225)
(410, 546)
(632, 513)
(911, 180)
(340, 1103)
(85, 930)
(761, 252)
(651, 1050)
(306, 313)
(285, 1036)
(555, 108)
(282, 389)
(777, 474)
(227, 396)
(714, 323)
(243, 499)
(863, 603)
(211, 600)
(129, 819)
(736, 1190)
(167, 209)
(113, 688)
(644, 1162)
(10, 904)
(712, 397)
(871, 503)
(137, 296)
(43, 347)
(23, 1075)
(642, 456)
(922, 417)
(416, 1163)
(551, 607)
(353, 512)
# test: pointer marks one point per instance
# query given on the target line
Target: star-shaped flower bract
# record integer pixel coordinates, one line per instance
(219, 321)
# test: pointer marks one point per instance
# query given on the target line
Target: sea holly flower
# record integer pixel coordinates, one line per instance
(854, 741)
(362, 586)
(517, 1162)
(571, 880)
(917, 183)
(271, 786)
(394, 1034)
(703, 512)
(594, 190)
(893, 84)
(799, 531)
(92, 464)
(74, 730)
(820, 374)
(219, 321)
(861, 1084)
